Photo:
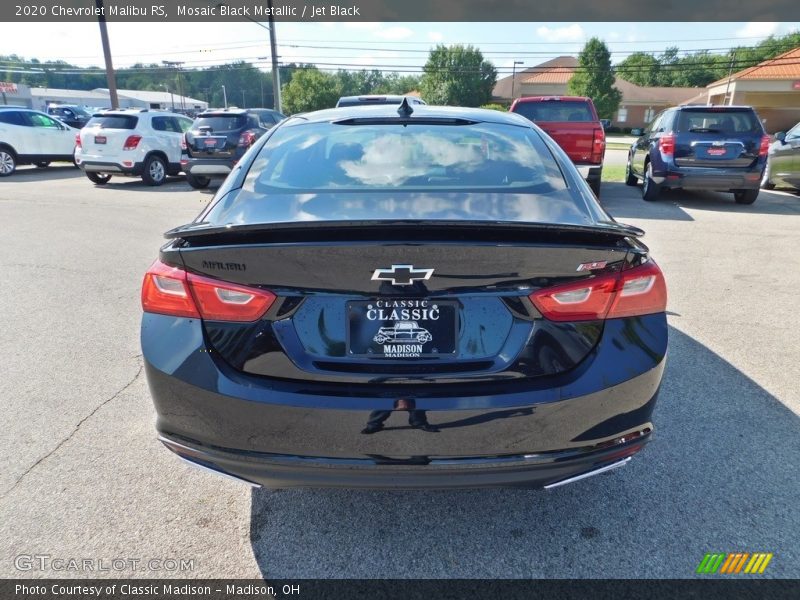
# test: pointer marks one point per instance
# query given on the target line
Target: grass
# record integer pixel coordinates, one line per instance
(617, 145)
(614, 173)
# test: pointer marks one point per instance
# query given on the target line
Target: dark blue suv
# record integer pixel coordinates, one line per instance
(703, 147)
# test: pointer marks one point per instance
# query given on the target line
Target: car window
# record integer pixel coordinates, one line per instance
(114, 122)
(555, 110)
(325, 156)
(221, 122)
(656, 124)
(39, 120)
(793, 133)
(183, 125)
(718, 121)
(11, 117)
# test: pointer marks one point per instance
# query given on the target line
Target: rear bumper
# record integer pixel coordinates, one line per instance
(700, 178)
(303, 433)
(208, 167)
(96, 166)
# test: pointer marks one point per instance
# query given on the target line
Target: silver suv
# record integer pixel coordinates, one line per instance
(137, 143)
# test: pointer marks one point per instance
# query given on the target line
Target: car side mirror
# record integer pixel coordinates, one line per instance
(781, 137)
(637, 132)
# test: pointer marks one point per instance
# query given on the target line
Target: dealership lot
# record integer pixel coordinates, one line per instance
(83, 476)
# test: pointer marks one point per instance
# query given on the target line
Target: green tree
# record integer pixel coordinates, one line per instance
(595, 79)
(310, 89)
(457, 75)
(639, 68)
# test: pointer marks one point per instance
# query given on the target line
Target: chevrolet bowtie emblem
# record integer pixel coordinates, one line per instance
(402, 274)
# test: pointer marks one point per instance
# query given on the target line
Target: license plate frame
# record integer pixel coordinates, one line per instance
(100, 139)
(402, 328)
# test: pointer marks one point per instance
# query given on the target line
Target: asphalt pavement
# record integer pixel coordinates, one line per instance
(82, 475)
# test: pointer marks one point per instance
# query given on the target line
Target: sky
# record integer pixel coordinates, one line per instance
(401, 47)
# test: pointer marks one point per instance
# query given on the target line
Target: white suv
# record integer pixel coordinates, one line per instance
(29, 136)
(131, 142)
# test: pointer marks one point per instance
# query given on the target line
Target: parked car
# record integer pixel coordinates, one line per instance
(538, 321)
(219, 138)
(700, 147)
(135, 143)
(32, 137)
(71, 114)
(573, 123)
(783, 161)
(369, 99)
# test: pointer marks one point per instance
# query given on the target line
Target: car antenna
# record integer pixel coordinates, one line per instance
(405, 110)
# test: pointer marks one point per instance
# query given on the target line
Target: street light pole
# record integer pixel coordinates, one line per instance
(225, 96)
(514, 76)
(273, 48)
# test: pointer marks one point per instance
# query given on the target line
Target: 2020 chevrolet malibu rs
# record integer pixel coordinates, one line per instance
(545, 323)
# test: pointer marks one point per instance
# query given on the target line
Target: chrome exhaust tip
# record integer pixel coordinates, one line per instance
(611, 467)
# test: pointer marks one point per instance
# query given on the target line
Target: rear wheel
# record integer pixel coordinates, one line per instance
(650, 189)
(42, 164)
(745, 196)
(197, 182)
(98, 178)
(630, 178)
(8, 162)
(155, 171)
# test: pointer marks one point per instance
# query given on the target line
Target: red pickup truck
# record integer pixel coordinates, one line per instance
(573, 123)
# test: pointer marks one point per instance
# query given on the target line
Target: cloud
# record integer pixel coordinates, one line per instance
(435, 36)
(394, 33)
(569, 33)
(758, 29)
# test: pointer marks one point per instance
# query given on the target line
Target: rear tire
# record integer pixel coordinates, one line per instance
(155, 171)
(8, 162)
(197, 182)
(98, 178)
(650, 189)
(42, 164)
(630, 178)
(745, 196)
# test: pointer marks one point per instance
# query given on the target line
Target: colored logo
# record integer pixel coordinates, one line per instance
(734, 563)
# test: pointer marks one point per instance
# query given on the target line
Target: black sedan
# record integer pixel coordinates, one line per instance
(544, 322)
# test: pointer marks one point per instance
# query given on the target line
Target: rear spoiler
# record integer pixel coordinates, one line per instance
(231, 231)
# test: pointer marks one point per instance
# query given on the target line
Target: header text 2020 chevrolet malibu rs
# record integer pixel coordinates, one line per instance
(404, 297)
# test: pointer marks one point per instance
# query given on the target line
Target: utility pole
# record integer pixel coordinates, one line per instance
(110, 77)
(273, 48)
(225, 96)
(514, 76)
(728, 85)
(176, 64)
(244, 104)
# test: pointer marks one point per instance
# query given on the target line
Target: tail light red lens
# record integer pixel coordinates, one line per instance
(172, 291)
(184, 145)
(637, 291)
(132, 142)
(247, 138)
(78, 140)
(666, 143)
(598, 146)
(763, 150)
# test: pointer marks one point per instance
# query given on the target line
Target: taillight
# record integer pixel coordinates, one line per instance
(763, 150)
(666, 144)
(598, 145)
(637, 291)
(78, 140)
(184, 145)
(172, 291)
(132, 142)
(247, 138)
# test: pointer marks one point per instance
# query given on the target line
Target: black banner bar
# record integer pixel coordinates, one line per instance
(728, 588)
(311, 11)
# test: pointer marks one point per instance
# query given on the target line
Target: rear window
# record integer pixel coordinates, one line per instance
(221, 122)
(555, 110)
(717, 121)
(327, 156)
(114, 122)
